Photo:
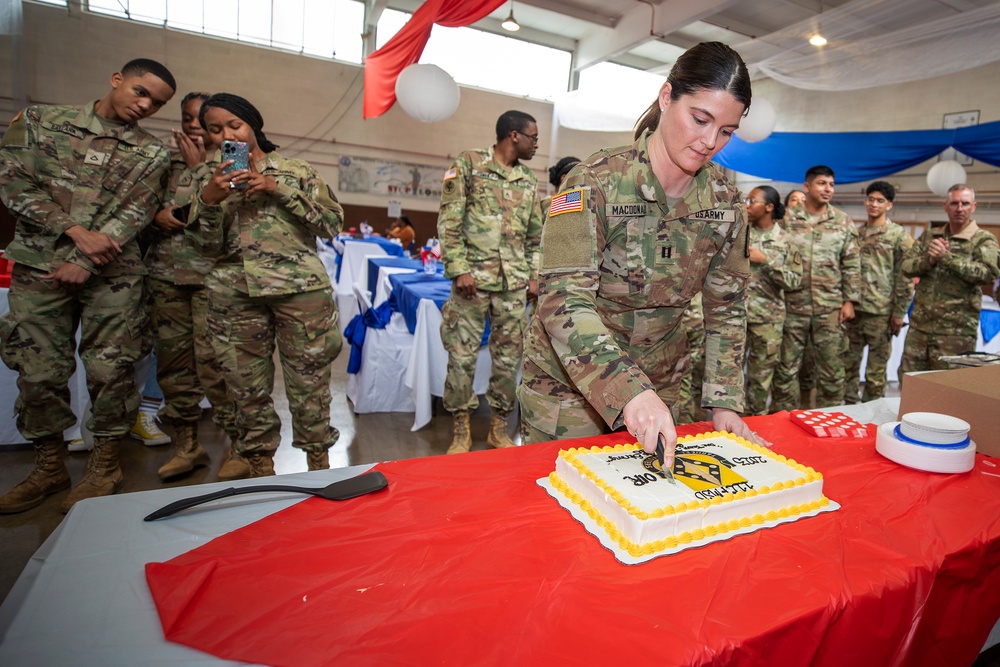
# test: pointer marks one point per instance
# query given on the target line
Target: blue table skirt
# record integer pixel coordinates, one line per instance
(392, 249)
(409, 288)
(376, 263)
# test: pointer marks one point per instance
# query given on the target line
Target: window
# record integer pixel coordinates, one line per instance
(485, 60)
(326, 28)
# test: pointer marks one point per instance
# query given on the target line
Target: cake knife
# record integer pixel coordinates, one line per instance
(660, 453)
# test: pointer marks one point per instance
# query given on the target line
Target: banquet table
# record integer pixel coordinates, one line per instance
(466, 560)
(419, 298)
(349, 267)
(393, 264)
(409, 347)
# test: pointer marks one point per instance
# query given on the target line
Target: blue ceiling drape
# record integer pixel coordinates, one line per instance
(855, 156)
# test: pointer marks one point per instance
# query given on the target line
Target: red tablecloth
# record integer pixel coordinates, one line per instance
(464, 560)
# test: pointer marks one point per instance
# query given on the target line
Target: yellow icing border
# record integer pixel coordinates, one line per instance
(687, 537)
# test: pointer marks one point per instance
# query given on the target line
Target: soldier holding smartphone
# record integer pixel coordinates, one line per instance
(268, 288)
(186, 366)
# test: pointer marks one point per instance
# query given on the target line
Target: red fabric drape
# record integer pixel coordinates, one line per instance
(465, 560)
(382, 67)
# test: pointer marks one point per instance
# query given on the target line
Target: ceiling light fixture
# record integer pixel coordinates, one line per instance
(510, 24)
(817, 40)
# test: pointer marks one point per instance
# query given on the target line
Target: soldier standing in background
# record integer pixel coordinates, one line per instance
(636, 232)
(186, 369)
(268, 289)
(82, 182)
(689, 401)
(827, 240)
(489, 225)
(885, 295)
(952, 262)
(775, 266)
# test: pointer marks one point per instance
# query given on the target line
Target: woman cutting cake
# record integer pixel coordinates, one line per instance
(633, 234)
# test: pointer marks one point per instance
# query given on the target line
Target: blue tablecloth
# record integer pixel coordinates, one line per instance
(393, 249)
(376, 263)
(409, 288)
(989, 320)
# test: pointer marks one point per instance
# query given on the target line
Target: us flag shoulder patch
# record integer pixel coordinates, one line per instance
(568, 202)
(451, 173)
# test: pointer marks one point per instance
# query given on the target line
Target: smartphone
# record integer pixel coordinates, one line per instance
(183, 212)
(239, 152)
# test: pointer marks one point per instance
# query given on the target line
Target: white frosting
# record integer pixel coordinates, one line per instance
(720, 479)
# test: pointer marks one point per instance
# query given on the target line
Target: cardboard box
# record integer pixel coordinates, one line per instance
(972, 394)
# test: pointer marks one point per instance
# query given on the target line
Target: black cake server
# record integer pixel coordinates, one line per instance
(340, 490)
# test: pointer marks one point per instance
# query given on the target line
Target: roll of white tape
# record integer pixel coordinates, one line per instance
(919, 457)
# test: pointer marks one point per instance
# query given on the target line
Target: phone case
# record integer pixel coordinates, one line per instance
(239, 152)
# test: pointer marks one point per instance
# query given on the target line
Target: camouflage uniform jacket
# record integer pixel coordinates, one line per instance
(490, 222)
(617, 275)
(172, 257)
(948, 297)
(831, 267)
(60, 167)
(781, 270)
(884, 288)
(265, 245)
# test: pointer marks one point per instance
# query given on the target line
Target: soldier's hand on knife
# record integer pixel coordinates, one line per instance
(647, 418)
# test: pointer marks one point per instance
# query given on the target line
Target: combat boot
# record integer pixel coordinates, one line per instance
(103, 476)
(261, 464)
(461, 440)
(187, 453)
(47, 477)
(498, 433)
(318, 460)
(235, 467)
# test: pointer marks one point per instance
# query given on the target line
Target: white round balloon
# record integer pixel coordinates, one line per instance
(759, 123)
(943, 175)
(427, 93)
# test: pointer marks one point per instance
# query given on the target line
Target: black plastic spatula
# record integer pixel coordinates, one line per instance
(342, 490)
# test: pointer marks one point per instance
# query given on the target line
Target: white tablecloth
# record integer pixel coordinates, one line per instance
(353, 265)
(376, 387)
(83, 598)
(383, 288)
(428, 364)
(79, 398)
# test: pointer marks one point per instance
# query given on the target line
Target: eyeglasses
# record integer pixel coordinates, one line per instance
(533, 137)
(749, 201)
(876, 200)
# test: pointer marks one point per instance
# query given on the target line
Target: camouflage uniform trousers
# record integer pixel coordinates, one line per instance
(462, 324)
(245, 331)
(922, 351)
(38, 340)
(830, 343)
(689, 400)
(871, 330)
(187, 368)
(763, 353)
